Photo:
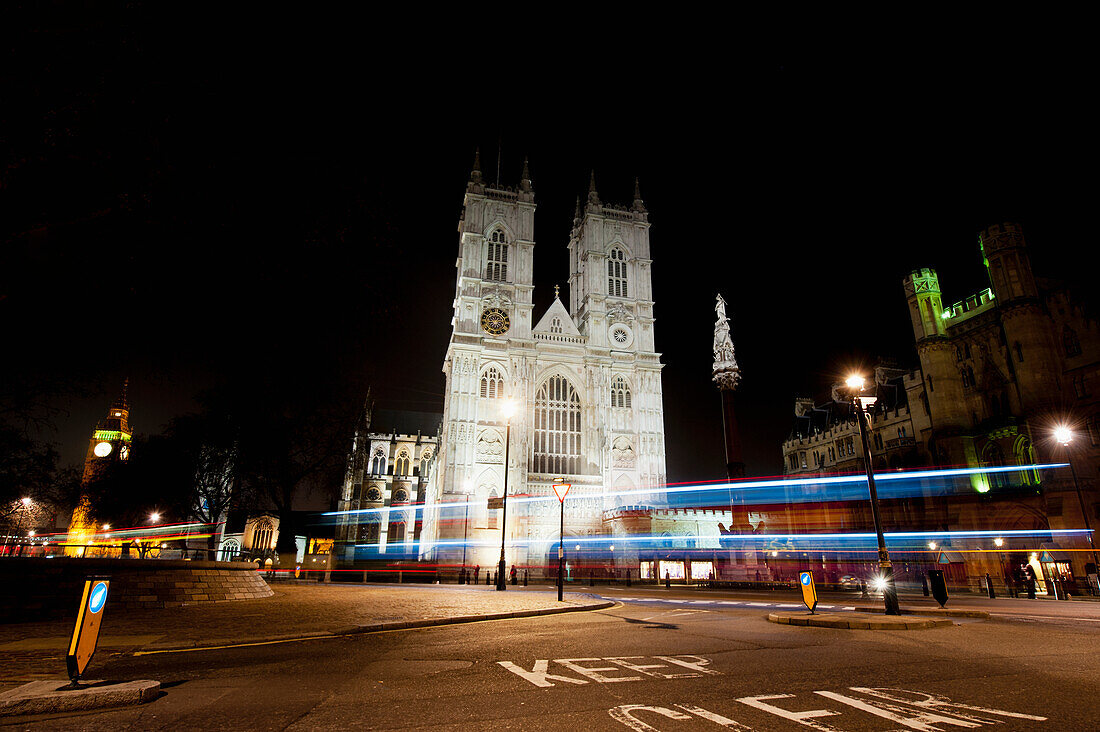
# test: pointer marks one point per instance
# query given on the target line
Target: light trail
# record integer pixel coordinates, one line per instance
(764, 490)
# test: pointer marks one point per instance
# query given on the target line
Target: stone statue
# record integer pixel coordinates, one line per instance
(726, 372)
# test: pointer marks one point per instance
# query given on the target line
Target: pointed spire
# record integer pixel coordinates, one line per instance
(639, 205)
(578, 212)
(123, 401)
(525, 179)
(593, 197)
(475, 174)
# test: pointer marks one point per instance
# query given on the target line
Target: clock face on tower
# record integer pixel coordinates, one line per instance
(495, 321)
(103, 449)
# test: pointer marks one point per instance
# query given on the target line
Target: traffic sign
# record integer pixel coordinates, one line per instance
(88, 620)
(938, 584)
(561, 490)
(809, 592)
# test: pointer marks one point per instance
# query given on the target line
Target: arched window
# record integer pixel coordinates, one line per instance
(1069, 340)
(263, 535)
(378, 463)
(492, 384)
(396, 533)
(555, 325)
(616, 273)
(1025, 455)
(557, 420)
(965, 378)
(993, 457)
(620, 392)
(401, 467)
(496, 265)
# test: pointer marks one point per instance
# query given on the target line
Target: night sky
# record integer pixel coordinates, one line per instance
(184, 199)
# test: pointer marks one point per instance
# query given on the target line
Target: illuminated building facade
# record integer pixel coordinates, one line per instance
(584, 377)
(998, 371)
(388, 474)
(108, 446)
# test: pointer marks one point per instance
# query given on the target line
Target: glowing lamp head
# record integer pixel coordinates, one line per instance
(999, 541)
(106, 527)
(508, 408)
(30, 533)
(932, 545)
(1063, 434)
(879, 583)
(154, 516)
(854, 382)
(26, 502)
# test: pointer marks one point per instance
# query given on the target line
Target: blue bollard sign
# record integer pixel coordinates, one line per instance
(88, 620)
(809, 592)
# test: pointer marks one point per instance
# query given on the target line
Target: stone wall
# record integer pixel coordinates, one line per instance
(40, 588)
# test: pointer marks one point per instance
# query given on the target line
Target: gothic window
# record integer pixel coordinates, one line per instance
(370, 535)
(496, 265)
(400, 496)
(492, 384)
(616, 273)
(557, 418)
(1025, 455)
(402, 465)
(966, 350)
(620, 392)
(555, 325)
(965, 378)
(263, 535)
(396, 534)
(993, 457)
(1079, 387)
(970, 374)
(1069, 340)
(802, 459)
(378, 464)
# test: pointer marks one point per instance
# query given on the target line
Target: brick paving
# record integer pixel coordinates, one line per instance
(37, 649)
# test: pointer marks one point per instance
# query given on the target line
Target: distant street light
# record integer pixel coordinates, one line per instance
(932, 545)
(999, 541)
(855, 384)
(26, 502)
(507, 410)
(1064, 435)
(154, 516)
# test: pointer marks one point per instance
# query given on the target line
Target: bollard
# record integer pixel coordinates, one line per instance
(628, 578)
(525, 578)
(1030, 589)
(863, 591)
(924, 584)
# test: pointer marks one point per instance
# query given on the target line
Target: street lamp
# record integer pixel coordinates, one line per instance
(154, 517)
(561, 489)
(507, 410)
(855, 384)
(1064, 435)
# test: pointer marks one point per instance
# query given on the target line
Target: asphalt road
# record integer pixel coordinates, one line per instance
(665, 660)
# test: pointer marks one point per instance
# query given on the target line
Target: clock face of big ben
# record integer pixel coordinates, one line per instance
(495, 321)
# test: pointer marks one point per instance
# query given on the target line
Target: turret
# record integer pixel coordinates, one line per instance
(1005, 253)
(922, 291)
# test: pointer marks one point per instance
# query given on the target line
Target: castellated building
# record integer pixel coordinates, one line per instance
(584, 378)
(998, 371)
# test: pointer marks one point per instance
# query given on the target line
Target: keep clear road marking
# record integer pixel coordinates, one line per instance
(539, 674)
(913, 709)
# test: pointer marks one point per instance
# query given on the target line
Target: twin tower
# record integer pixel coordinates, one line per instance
(584, 378)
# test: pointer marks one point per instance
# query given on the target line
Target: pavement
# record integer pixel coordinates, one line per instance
(34, 651)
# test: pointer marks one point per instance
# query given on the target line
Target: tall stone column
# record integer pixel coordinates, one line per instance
(726, 374)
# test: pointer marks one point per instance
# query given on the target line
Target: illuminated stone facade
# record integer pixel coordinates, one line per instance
(998, 371)
(585, 378)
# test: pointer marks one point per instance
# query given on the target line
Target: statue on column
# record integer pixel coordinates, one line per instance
(726, 372)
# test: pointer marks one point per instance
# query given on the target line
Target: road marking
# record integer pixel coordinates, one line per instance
(759, 604)
(913, 709)
(236, 645)
(790, 605)
(1044, 617)
(540, 676)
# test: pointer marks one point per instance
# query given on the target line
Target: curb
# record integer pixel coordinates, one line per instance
(43, 697)
(372, 628)
(853, 621)
(936, 611)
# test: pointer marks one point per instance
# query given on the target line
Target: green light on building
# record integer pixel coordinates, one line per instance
(111, 435)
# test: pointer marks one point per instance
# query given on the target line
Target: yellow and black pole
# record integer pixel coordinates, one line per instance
(86, 632)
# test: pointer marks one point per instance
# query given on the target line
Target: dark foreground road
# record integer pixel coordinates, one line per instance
(665, 663)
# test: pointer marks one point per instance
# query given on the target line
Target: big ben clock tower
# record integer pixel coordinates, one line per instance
(109, 445)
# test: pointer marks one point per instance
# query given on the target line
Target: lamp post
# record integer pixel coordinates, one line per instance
(508, 409)
(886, 570)
(561, 489)
(1064, 435)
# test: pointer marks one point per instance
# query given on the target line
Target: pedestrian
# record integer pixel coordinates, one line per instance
(512, 575)
(668, 579)
(477, 574)
(989, 586)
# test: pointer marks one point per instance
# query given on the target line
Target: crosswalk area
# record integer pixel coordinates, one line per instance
(731, 603)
